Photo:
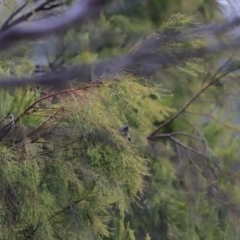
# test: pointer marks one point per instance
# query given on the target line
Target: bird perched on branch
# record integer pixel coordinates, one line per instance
(125, 131)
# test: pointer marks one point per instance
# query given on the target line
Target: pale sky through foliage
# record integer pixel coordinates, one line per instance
(230, 8)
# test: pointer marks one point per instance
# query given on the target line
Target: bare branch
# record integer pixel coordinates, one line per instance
(163, 135)
(198, 132)
(215, 79)
(13, 15)
(187, 147)
(26, 15)
(73, 16)
(89, 8)
(143, 61)
(199, 169)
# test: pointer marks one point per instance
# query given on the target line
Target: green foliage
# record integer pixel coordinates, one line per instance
(75, 172)
(67, 172)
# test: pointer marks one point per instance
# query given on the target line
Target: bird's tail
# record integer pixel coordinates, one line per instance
(129, 137)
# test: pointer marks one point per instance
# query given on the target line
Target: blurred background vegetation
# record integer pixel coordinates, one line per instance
(67, 173)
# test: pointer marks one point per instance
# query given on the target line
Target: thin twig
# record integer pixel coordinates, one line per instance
(163, 135)
(174, 116)
(198, 132)
(198, 168)
(74, 15)
(29, 14)
(187, 147)
(13, 15)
